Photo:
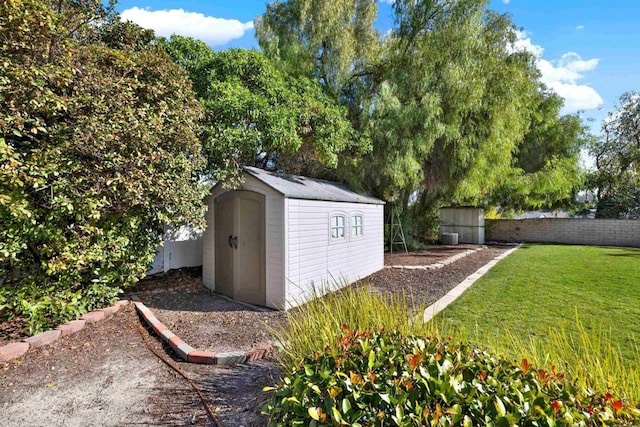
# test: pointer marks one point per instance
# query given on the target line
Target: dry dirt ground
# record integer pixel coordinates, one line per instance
(106, 376)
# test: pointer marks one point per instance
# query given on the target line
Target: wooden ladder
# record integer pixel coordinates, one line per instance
(396, 234)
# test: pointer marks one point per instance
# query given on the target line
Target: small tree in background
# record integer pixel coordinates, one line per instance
(98, 151)
(617, 154)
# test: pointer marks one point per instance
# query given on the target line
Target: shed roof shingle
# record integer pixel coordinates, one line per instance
(300, 187)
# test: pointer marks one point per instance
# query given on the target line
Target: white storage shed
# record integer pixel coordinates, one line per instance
(278, 236)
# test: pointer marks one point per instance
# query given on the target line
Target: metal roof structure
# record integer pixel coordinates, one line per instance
(300, 187)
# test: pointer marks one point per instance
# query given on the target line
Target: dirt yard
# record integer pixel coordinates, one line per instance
(105, 374)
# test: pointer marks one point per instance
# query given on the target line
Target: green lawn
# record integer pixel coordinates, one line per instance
(539, 289)
(574, 308)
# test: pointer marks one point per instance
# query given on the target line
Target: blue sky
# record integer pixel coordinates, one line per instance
(588, 50)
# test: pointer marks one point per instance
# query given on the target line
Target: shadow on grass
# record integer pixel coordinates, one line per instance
(614, 251)
(623, 252)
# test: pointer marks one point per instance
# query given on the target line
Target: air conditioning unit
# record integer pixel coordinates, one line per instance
(449, 238)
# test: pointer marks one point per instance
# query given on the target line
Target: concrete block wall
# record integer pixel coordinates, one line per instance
(576, 231)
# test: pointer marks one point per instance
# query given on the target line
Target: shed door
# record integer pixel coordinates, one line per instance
(249, 255)
(240, 246)
(224, 231)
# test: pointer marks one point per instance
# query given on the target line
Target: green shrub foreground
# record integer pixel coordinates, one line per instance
(388, 378)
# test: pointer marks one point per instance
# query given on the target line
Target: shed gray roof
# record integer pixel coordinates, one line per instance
(300, 187)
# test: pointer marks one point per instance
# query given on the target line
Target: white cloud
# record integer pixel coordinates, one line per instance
(524, 43)
(573, 62)
(563, 76)
(577, 97)
(580, 27)
(211, 30)
(506, 1)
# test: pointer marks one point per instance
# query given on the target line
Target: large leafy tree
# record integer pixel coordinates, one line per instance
(446, 99)
(98, 152)
(465, 112)
(326, 40)
(617, 154)
(331, 43)
(545, 171)
(257, 115)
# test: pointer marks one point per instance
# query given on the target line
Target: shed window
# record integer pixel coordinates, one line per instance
(337, 226)
(356, 226)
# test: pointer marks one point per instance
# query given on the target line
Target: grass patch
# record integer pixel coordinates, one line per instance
(576, 307)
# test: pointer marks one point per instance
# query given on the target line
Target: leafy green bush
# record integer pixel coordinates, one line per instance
(588, 353)
(424, 223)
(43, 308)
(98, 152)
(386, 378)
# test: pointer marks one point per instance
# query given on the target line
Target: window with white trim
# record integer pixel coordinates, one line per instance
(356, 226)
(337, 227)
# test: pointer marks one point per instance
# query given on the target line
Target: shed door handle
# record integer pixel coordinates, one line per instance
(233, 241)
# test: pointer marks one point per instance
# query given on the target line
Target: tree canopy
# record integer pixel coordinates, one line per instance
(617, 154)
(546, 172)
(98, 152)
(325, 40)
(452, 108)
(257, 115)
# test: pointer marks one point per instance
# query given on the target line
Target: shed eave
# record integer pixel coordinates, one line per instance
(303, 188)
(320, 199)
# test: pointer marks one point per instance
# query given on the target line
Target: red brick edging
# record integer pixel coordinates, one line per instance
(192, 355)
(16, 349)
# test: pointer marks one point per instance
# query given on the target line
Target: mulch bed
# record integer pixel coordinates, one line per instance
(430, 255)
(210, 322)
(207, 322)
(13, 330)
(203, 319)
(424, 287)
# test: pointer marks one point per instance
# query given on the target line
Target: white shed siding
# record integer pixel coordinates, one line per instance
(274, 235)
(208, 246)
(315, 260)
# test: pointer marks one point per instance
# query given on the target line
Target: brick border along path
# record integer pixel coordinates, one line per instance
(16, 349)
(189, 354)
(13, 350)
